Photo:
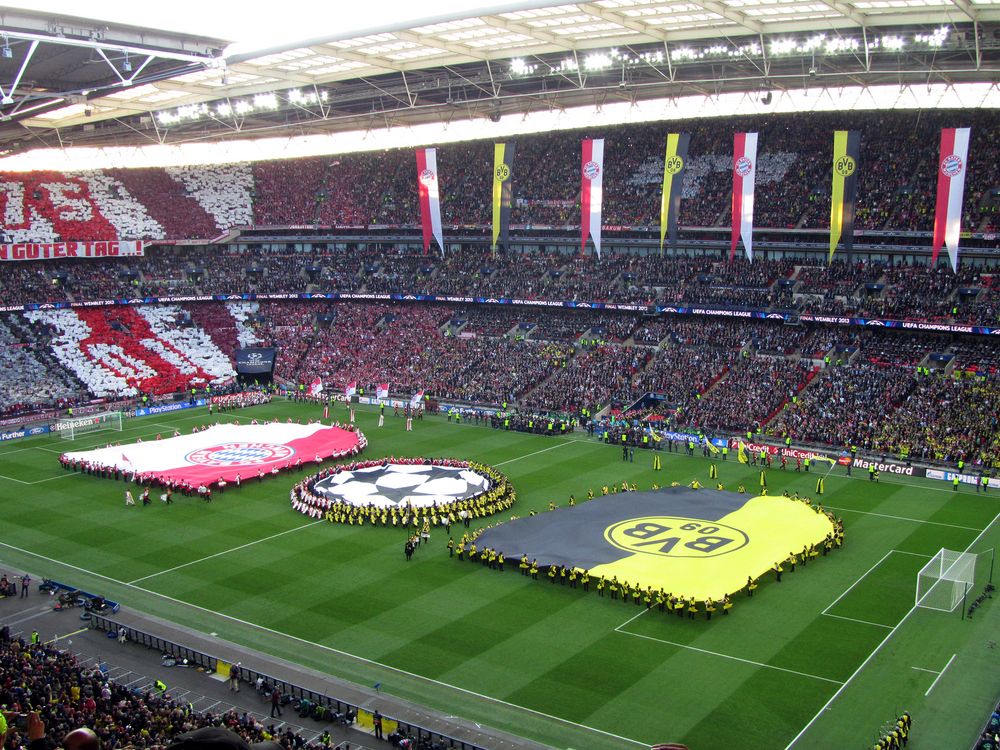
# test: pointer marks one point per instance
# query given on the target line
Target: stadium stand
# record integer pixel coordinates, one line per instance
(358, 190)
(908, 292)
(828, 385)
(121, 716)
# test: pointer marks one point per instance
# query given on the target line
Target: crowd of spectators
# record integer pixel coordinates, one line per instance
(877, 388)
(902, 291)
(29, 380)
(747, 396)
(128, 350)
(845, 405)
(66, 696)
(590, 380)
(945, 419)
(896, 183)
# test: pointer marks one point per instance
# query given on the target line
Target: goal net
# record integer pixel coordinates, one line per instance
(944, 581)
(70, 429)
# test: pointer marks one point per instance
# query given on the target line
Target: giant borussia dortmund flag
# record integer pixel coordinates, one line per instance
(846, 153)
(503, 188)
(701, 543)
(674, 162)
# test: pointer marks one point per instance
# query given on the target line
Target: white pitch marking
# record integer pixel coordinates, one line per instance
(940, 674)
(728, 656)
(329, 649)
(878, 648)
(903, 518)
(223, 552)
(863, 622)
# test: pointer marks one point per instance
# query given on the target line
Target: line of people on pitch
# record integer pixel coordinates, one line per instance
(897, 735)
(500, 496)
(533, 422)
(580, 578)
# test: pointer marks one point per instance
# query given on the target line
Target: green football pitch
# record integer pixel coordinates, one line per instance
(821, 660)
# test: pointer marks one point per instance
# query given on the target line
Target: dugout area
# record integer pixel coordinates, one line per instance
(694, 543)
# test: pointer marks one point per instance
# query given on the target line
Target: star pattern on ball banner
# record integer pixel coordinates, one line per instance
(399, 484)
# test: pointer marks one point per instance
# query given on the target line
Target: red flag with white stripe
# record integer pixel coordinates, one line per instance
(951, 186)
(744, 171)
(430, 199)
(591, 192)
(382, 390)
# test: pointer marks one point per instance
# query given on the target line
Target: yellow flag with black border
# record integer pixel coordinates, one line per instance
(741, 453)
(503, 180)
(843, 194)
(674, 166)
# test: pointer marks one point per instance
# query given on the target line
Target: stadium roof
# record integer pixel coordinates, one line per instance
(74, 81)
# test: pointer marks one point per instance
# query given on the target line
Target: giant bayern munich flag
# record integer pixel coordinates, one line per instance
(591, 192)
(744, 172)
(430, 198)
(951, 186)
(225, 450)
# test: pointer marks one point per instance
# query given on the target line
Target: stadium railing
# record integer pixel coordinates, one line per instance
(250, 675)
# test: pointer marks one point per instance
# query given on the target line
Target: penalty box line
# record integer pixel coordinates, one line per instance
(831, 605)
(329, 649)
(879, 647)
(696, 649)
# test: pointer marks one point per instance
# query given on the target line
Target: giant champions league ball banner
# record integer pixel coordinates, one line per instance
(414, 485)
(693, 543)
(225, 450)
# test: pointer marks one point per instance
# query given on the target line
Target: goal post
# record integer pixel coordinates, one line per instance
(944, 582)
(69, 428)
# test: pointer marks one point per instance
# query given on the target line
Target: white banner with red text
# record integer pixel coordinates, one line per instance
(49, 250)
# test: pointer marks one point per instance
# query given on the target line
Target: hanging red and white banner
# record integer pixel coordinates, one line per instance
(430, 199)
(591, 192)
(950, 188)
(744, 171)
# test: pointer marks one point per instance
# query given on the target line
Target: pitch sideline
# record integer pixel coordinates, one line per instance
(331, 649)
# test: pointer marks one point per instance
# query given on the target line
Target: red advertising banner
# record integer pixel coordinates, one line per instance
(48, 250)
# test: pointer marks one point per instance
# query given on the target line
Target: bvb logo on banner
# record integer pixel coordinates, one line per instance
(502, 173)
(845, 166)
(673, 536)
(674, 165)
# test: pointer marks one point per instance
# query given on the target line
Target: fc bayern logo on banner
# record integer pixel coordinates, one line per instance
(951, 165)
(240, 454)
(427, 176)
(591, 170)
(743, 166)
